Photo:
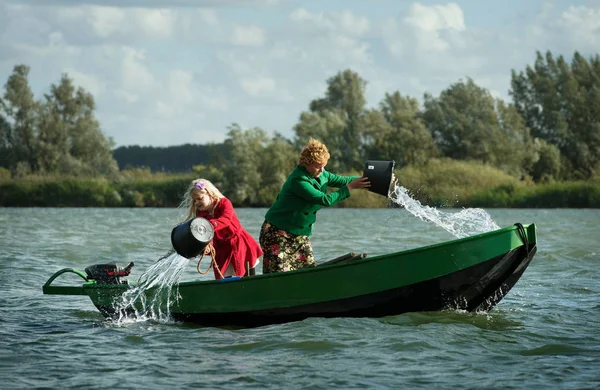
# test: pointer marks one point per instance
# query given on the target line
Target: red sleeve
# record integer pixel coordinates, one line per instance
(223, 214)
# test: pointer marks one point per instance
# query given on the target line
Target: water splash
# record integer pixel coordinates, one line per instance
(465, 223)
(154, 294)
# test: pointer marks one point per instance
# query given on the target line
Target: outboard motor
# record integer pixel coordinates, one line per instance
(108, 273)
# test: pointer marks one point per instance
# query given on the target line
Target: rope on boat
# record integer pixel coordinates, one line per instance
(523, 236)
(212, 253)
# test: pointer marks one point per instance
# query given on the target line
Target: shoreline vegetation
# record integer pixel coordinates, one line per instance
(462, 148)
(440, 183)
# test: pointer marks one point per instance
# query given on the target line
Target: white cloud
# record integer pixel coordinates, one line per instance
(156, 22)
(90, 82)
(126, 96)
(344, 22)
(350, 50)
(437, 17)
(259, 4)
(213, 99)
(106, 20)
(150, 23)
(431, 22)
(166, 110)
(393, 37)
(180, 87)
(329, 41)
(136, 77)
(230, 59)
(90, 24)
(352, 24)
(258, 86)
(181, 71)
(248, 36)
(198, 17)
(179, 94)
(582, 24)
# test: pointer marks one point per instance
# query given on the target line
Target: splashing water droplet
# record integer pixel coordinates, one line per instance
(465, 223)
(153, 296)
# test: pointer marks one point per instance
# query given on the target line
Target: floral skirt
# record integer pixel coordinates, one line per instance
(284, 251)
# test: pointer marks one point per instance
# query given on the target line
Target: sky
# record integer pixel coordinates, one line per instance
(171, 72)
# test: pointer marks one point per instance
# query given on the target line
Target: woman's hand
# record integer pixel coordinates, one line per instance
(361, 182)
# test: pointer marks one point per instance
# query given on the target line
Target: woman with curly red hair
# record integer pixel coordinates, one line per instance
(284, 236)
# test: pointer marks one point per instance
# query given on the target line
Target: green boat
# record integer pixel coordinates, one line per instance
(472, 274)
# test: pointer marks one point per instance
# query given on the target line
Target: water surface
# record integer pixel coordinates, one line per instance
(544, 334)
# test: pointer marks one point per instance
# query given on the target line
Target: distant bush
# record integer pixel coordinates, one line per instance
(4, 174)
(162, 191)
(50, 192)
(451, 183)
(440, 183)
(556, 194)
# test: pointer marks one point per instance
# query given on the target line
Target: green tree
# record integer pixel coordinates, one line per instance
(258, 166)
(547, 165)
(344, 102)
(409, 142)
(52, 140)
(561, 105)
(328, 127)
(512, 144)
(467, 123)
(57, 135)
(279, 158)
(178, 158)
(209, 172)
(82, 146)
(377, 133)
(460, 120)
(18, 109)
(5, 131)
(242, 179)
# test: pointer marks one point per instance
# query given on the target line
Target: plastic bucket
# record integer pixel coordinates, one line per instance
(380, 175)
(191, 237)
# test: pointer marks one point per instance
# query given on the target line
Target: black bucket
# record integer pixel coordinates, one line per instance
(380, 175)
(190, 238)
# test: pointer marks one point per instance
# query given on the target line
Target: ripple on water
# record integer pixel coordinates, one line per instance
(482, 320)
(544, 333)
(555, 349)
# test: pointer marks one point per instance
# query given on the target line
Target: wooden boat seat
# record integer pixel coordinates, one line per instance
(344, 258)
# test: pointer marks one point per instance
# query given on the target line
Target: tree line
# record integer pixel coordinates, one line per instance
(170, 159)
(58, 134)
(549, 131)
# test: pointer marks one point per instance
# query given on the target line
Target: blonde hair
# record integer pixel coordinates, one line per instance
(199, 186)
(314, 152)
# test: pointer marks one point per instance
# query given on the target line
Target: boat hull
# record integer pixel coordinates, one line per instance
(469, 274)
(458, 291)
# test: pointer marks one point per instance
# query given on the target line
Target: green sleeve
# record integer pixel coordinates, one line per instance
(304, 189)
(338, 181)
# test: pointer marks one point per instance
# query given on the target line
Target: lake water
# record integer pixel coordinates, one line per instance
(544, 334)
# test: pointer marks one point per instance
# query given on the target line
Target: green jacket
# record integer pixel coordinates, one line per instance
(301, 196)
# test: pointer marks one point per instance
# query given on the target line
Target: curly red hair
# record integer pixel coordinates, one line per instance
(314, 152)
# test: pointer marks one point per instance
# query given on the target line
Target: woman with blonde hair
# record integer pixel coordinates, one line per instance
(233, 246)
(284, 236)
